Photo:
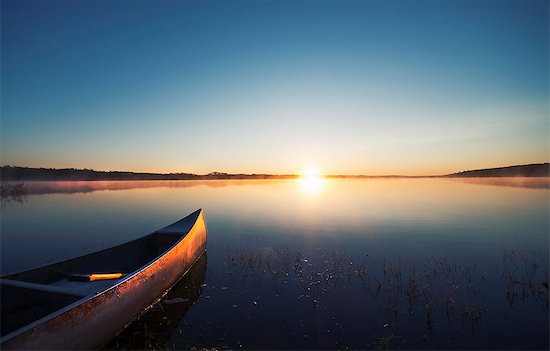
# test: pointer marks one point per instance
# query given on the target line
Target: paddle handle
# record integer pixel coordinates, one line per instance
(105, 276)
(95, 276)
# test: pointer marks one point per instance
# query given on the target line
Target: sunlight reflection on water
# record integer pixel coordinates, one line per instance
(311, 185)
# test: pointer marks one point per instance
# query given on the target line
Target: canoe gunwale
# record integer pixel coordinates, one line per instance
(109, 248)
(87, 298)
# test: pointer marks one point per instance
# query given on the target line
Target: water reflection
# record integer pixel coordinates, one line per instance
(73, 187)
(516, 182)
(413, 263)
(311, 185)
(154, 328)
(321, 298)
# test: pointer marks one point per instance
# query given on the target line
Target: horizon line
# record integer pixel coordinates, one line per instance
(287, 175)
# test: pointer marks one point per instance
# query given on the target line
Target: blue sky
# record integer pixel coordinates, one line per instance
(371, 87)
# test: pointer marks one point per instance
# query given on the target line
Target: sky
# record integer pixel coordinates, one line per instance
(349, 87)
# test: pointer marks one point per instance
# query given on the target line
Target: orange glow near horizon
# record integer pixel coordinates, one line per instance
(311, 182)
(311, 173)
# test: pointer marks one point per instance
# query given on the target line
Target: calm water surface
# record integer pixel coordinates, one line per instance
(374, 263)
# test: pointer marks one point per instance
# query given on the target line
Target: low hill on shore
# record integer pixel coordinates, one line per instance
(532, 170)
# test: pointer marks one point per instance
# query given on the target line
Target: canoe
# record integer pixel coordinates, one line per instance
(53, 307)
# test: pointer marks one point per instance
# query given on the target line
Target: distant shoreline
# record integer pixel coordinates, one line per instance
(9, 173)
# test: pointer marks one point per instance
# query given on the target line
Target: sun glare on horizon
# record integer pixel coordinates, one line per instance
(311, 173)
(311, 181)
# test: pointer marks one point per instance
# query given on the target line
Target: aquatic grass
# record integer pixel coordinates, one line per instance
(437, 291)
(12, 192)
(425, 293)
(384, 342)
(523, 277)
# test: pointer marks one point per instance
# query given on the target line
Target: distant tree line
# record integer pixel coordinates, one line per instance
(532, 170)
(9, 173)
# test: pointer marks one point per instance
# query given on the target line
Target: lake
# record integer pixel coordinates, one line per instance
(319, 263)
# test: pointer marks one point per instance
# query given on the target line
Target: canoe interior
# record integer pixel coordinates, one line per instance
(30, 295)
(22, 306)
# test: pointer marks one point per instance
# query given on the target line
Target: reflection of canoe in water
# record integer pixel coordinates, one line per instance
(51, 307)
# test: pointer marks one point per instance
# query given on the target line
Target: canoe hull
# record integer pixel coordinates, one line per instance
(93, 321)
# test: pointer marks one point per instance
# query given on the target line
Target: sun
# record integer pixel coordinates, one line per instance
(311, 181)
(311, 173)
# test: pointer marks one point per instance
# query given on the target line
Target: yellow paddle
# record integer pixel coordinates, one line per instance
(95, 276)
